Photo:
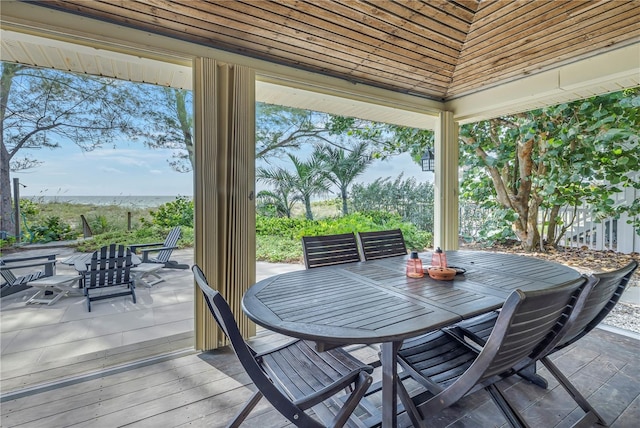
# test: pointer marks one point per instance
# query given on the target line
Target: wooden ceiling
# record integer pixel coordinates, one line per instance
(435, 49)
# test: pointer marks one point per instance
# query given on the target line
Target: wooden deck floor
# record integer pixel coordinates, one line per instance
(206, 389)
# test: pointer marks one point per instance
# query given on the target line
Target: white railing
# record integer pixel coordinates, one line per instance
(586, 231)
(613, 234)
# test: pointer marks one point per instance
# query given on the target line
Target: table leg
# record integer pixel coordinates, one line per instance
(389, 360)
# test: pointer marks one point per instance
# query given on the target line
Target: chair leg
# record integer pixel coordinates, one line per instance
(39, 296)
(409, 405)
(172, 264)
(36, 296)
(361, 386)
(244, 412)
(575, 394)
(514, 418)
(529, 373)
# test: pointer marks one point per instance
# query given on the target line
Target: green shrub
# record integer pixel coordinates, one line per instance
(143, 235)
(278, 239)
(280, 226)
(52, 228)
(278, 249)
(100, 224)
(171, 214)
(411, 200)
(7, 243)
(29, 208)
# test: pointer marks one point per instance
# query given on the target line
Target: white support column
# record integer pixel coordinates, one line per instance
(446, 189)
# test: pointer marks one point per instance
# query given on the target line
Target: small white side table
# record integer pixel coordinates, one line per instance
(59, 285)
(144, 270)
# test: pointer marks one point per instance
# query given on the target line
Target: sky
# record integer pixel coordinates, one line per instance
(134, 170)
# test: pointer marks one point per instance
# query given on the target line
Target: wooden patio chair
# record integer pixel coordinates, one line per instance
(293, 377)
(599, 303)
(449, 369)
(327, 250)
(110, 266)
(164, 250)
(599, 300)
(381, 244)
(17, 282)
(604, 296)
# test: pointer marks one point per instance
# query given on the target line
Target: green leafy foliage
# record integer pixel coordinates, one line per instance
(44, 108)
(52, 229)
(279, 201)
(29, 208)
(410, 200)
(144, 235)
(100, 223)
(278, 249)
(175, 213)
(342, 166)
(280, 226)
(280, 234)
(567, 155)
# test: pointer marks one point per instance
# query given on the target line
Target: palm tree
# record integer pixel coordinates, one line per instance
(343, 168)
(282, 181)
(310, 179)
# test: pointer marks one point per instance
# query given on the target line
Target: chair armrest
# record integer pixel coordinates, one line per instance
(150, 250)
(17, 263)
(49, 257)
(145, 253)
(136, 246)
(80, 266)
(25, 265)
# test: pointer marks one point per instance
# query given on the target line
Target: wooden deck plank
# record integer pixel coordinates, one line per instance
(630, 417)
(98, 399)
(91, 362)
(207, 389)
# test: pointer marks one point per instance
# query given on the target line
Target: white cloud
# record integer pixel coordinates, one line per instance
(110, 170)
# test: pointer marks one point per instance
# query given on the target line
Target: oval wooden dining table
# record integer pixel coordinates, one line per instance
(375, 302)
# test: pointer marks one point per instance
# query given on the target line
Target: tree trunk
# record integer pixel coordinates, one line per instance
(6, 217)
(552, 231)
(307, 207)
(185, 125)
(343, 194)
(533, 234)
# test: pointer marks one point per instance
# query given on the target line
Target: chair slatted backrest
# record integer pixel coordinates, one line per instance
(46, 264)
(170, 243)
(223, 316)
(110, 265)
(599, 302)
(329, 250)
(527, 322)
(8, 276)
(381, 244)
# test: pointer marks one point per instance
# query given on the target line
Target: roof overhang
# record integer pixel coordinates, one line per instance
(48, 38)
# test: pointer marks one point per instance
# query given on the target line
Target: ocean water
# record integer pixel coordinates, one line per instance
(124, 201)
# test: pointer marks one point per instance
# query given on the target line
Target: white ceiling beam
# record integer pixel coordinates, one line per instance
(608, 72)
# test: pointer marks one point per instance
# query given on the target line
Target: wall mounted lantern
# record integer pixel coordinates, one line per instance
(428, 161)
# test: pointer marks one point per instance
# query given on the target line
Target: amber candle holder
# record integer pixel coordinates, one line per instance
(414, 266)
